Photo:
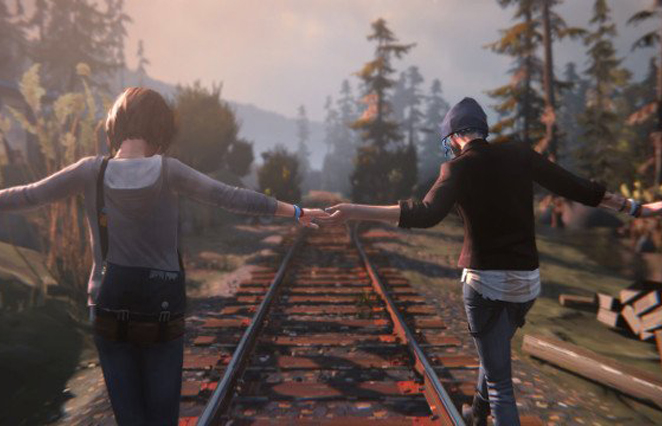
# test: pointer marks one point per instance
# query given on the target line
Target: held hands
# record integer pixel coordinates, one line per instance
(339, 214)
(310, 217)
(651, 209)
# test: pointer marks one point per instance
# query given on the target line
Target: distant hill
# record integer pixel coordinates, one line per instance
(264, 128)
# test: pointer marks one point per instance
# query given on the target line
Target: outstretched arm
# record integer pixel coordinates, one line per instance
(198, 186)
(562, 182)
(407, 213)
(67, 182)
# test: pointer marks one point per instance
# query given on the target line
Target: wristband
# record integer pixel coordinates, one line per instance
(625, 203)
(638, 210)
(633, 207)
(297, 212)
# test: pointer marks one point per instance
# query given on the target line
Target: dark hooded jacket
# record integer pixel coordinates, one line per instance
(492, 186)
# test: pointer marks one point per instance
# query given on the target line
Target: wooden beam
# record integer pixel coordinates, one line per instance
(634, 292)
(647, 303)
(610, 303)
(626, 379)
(658, 339)
(578, 302)
(610, 318)
(652, 320)
(652, 268)
(631, 319)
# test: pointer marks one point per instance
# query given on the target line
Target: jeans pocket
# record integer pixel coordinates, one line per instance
(482, 313)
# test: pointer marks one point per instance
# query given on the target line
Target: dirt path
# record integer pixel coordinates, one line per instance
(429, 257)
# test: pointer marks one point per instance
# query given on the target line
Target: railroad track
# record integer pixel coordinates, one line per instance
(325, 339)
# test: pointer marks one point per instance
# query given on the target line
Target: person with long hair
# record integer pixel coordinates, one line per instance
(491, 187)
(137, 284)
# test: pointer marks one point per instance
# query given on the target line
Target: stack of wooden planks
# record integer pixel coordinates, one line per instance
(637, 308)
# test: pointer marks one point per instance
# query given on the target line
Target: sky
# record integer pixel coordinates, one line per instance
(279, 54)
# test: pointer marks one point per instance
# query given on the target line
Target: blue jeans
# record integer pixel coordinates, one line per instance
(144, 382)
(492, 323)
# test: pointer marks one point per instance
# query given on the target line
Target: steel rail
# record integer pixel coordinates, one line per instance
(223, 394)
(439, 400)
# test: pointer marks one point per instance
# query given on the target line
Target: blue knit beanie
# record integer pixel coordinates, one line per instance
(467, 114)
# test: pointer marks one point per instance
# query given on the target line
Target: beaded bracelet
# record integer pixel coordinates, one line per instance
(625, 203)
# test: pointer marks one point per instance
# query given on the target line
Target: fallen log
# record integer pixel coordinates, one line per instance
(577, 302)
(626, 379)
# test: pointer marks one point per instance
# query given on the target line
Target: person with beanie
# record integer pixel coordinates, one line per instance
(491, 186)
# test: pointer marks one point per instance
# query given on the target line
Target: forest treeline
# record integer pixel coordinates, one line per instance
(591, 116)
(63, 62)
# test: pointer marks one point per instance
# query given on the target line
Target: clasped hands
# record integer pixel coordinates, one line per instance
(330, 216)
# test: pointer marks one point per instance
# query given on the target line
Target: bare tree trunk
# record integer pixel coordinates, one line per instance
(528, 65)
(657, 139)
(548, 83)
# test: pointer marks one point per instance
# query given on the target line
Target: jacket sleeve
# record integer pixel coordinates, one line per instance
(561, 182)
(437, 202)
(62, 184)
(200, 187)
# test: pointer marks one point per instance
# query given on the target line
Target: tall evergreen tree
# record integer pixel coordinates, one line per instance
(431, 155)
(571, 106)
(303, 136)
(347, 114)
(601, 156)
(379, 175)
(72, 32)
(142, 63)
(415, 99)
(117, 20)
(400, 98)
(341, 140)
(13, 46)
(520, 101)
(650, 39)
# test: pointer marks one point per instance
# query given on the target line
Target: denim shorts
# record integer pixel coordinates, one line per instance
(482, 312)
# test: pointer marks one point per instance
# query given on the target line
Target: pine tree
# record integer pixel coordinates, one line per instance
(142, 63)
(400, 98)
(520, 101)
(601, 156)
(347, 115)
(431, 155)
(553, 27)
(379, 175)
(117, 20)
(572, 105)
(303, 136)
(414, 100)
(13, 46)
(341, 140)
(650, 39)
(72, 32)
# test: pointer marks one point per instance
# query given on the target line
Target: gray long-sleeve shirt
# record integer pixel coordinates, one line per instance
(141, 204)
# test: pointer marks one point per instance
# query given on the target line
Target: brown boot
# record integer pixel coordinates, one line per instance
(477, 414)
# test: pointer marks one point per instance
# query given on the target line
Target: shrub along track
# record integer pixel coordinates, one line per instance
(325, 338)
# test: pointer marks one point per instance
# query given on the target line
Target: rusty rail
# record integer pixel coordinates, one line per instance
(230, 387)
(223, 393)
(439, 400)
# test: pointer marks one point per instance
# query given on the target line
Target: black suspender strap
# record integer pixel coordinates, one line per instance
(102, 218)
